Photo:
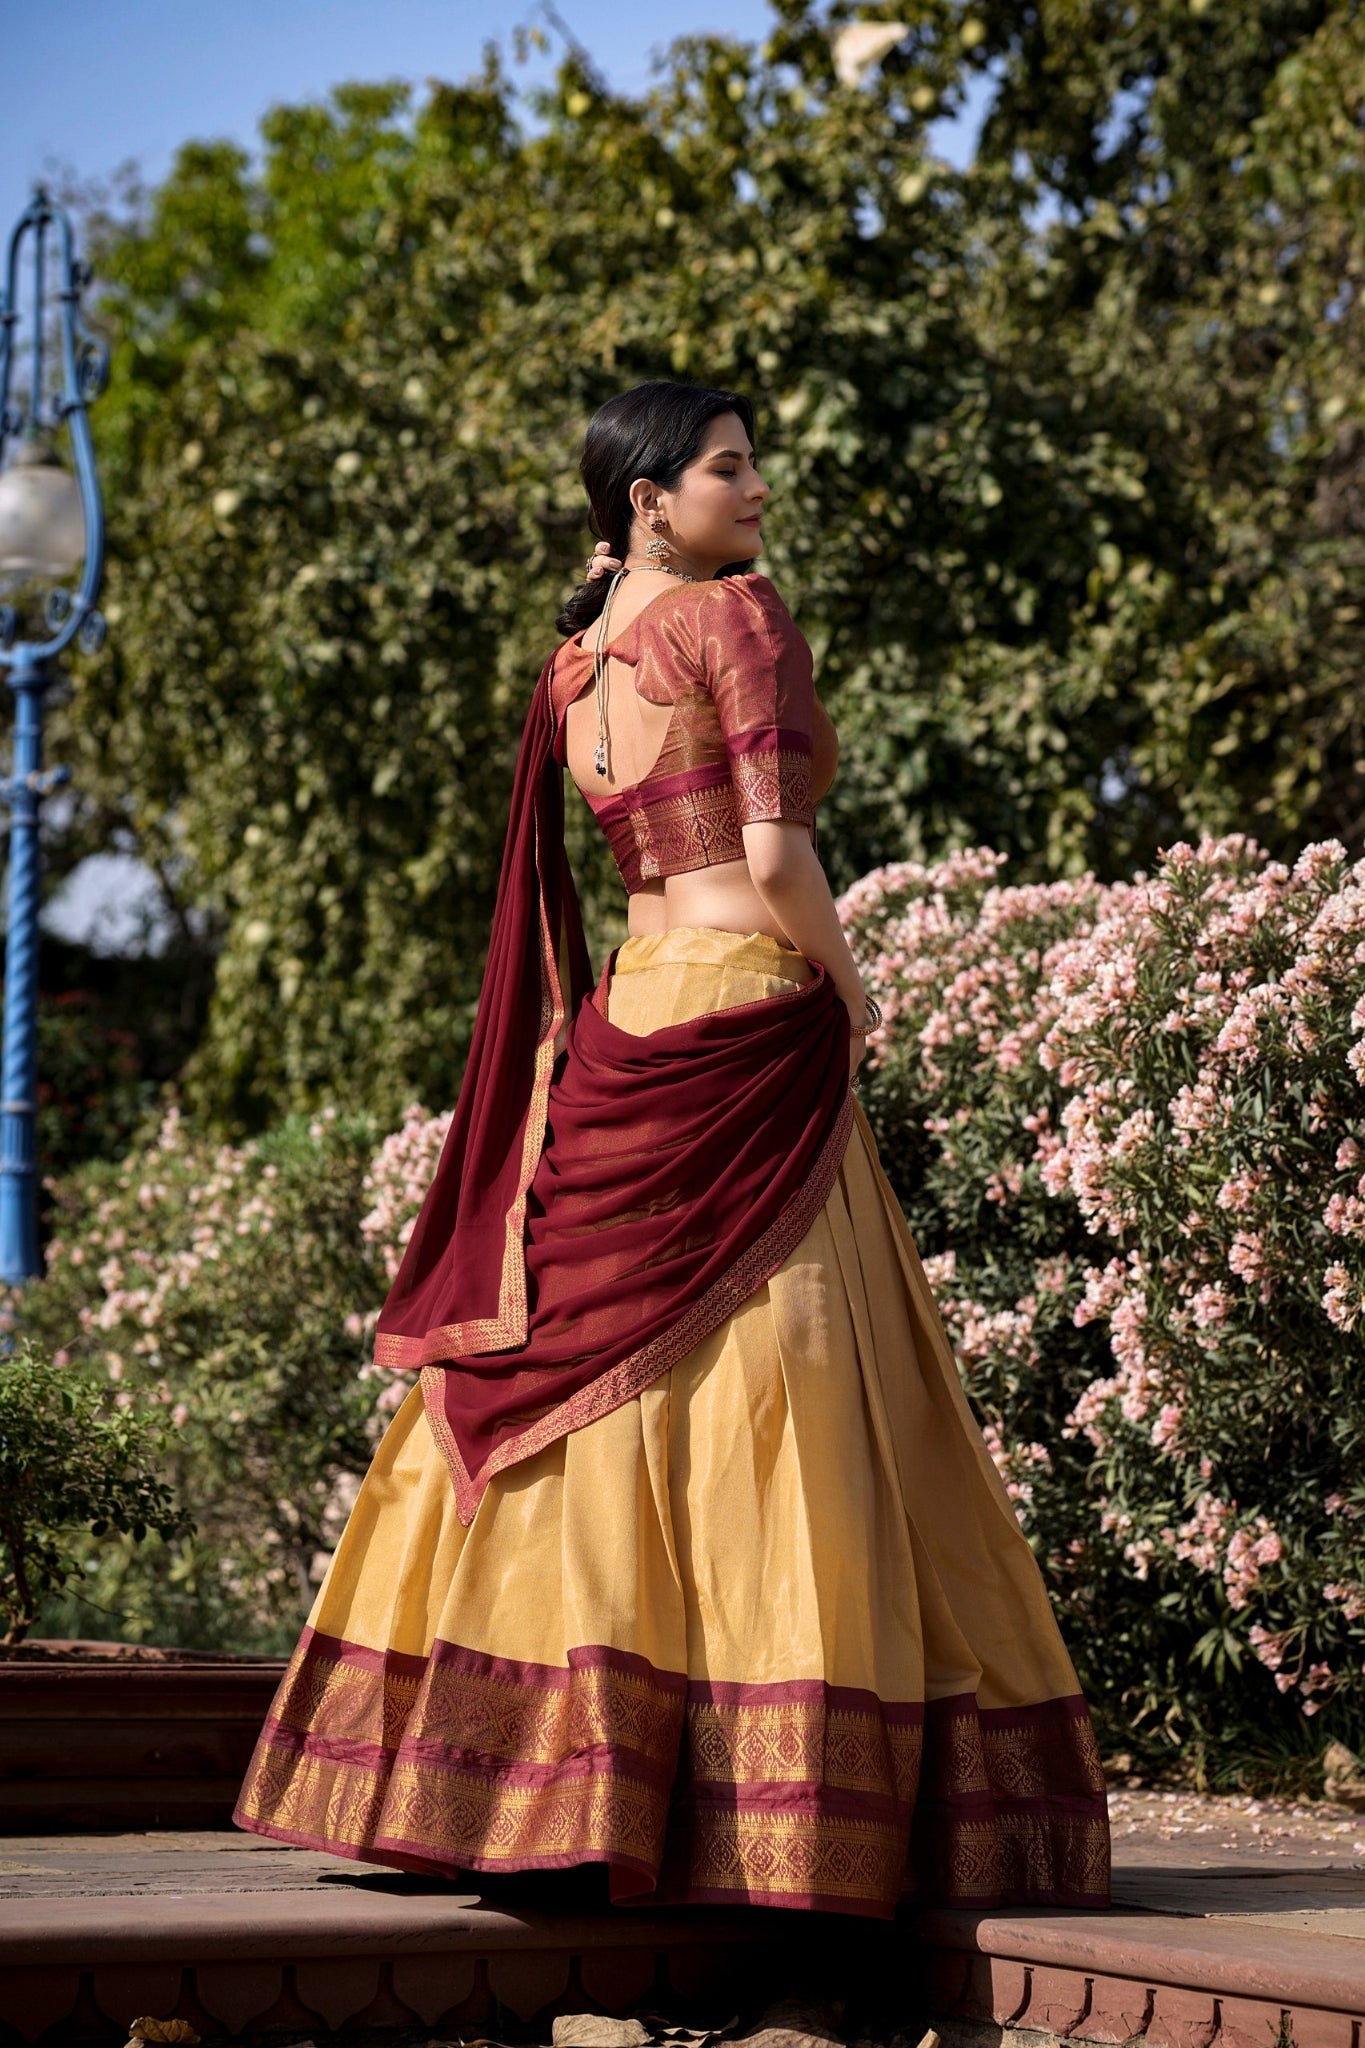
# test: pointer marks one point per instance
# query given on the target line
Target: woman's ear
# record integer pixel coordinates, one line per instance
(644, 498)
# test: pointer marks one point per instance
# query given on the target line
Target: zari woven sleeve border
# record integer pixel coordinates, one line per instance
(757, 666)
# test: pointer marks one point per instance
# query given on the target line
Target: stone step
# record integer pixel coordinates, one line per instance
(1208, 1947)
(293, 1965)
(1025, 1978)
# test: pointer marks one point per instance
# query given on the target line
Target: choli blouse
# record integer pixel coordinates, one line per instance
(748, 738)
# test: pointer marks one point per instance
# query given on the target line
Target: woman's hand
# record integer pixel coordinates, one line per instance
(793, 887)
(602, 562)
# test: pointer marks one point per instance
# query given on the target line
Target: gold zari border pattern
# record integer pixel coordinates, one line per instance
(806, 1795)
(772, 786)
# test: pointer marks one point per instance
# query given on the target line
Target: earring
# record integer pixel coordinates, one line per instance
(657, 547)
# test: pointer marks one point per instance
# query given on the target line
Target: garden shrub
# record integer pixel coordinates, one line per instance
(1128, 1126)
(68, 1467)
(91, 1092)
(231, 1290)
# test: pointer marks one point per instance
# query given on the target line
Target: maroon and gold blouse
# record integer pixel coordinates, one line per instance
(748, 738)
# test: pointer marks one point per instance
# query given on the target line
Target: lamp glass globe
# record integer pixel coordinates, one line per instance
(42, 523)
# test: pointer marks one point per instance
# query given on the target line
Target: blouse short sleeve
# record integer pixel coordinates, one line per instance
(757, 666)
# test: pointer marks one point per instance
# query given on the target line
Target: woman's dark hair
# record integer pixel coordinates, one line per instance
(653, 430)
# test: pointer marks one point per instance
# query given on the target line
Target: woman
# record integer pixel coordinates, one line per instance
(686, 1562)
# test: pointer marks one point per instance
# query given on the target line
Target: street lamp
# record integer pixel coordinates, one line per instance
(50, 521)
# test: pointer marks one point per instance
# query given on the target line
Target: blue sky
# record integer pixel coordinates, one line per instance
(91, 85)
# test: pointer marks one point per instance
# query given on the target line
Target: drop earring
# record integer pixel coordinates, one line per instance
(657, 550)
(656, 547)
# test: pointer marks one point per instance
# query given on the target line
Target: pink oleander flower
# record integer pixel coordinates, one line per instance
(1240, 1190)
(1318, 1678)
(1248, 1550)
(1247, 1255)
(1342, 1299)
(1344, 1216)
(1268, 1647)
(398, 1179)
(1166, 1428)
(1209, 1306)
(1203, 1538)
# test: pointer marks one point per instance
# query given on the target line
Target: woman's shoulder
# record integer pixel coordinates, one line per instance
(724, 605)
(750, 591)
(734, 638)
(716, 608)
(748, 613)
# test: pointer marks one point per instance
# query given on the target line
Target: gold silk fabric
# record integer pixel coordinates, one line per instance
(767, 1633)
(748, 738)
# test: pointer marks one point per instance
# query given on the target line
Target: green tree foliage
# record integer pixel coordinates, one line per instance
(1211, 267)
(1064, 452)
(70, 1467)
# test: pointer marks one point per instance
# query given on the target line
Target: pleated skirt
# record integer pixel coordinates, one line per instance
(768, 1633)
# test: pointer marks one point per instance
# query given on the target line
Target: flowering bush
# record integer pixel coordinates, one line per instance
(1128, 1124)
(398, 1178)
(232, 1291)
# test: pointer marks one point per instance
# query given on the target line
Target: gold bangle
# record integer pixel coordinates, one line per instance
(874, 1017)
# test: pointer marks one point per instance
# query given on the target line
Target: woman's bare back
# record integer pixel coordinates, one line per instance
(724, 895)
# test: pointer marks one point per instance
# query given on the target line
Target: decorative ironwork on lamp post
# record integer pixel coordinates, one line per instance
(50, 522)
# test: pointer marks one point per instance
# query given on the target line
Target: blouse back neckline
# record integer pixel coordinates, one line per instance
(575, 640)
(746, 740)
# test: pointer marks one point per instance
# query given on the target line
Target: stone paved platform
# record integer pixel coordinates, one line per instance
(1238, 1924)
(1272, 1862)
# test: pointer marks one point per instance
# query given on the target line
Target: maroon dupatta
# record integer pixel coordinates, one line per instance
(599, 1205)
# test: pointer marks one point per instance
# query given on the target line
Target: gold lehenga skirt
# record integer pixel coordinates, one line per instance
(767, 1633)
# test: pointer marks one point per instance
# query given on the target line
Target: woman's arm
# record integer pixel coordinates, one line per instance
(785, 870)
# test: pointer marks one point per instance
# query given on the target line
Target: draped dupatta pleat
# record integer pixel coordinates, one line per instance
(602, 1201)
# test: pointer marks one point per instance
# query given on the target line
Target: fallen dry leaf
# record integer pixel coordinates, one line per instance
(672, 2035)
(596, 2030)
(794, 2023)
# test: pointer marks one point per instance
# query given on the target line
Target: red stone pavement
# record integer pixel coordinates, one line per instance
(1238, 1923)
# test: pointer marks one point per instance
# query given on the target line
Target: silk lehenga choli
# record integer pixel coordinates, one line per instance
(684, 1555)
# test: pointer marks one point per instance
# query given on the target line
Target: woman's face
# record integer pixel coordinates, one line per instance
(713, 515)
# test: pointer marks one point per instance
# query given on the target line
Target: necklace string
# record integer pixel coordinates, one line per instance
(599, 674)
(599, 657)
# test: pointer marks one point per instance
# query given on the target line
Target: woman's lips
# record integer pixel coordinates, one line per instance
(755, 521)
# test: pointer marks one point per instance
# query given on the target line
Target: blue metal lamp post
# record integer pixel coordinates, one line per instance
(49, 522)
